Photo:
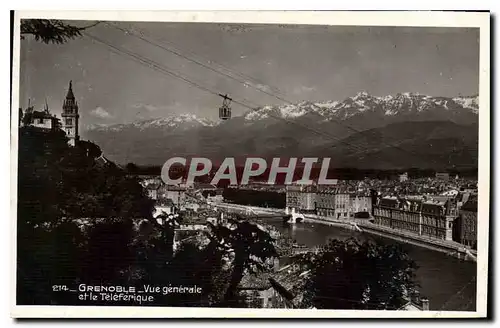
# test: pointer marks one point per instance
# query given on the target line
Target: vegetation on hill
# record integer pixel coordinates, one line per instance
(85, 221)
(363, 276)
(82, 221)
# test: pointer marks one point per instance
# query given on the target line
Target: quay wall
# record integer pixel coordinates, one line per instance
(363, 225)
(448, 247)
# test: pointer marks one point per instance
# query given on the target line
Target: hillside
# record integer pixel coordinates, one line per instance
(433, 144)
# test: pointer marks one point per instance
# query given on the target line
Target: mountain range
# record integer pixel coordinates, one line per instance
(363, 131)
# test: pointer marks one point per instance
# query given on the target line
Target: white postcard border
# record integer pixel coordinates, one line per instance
(479, 20)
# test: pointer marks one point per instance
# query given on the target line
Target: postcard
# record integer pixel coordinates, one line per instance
(250, 164)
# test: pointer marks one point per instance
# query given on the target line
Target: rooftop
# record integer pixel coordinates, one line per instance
(42, 114)
(165, 202)
(470, 205)
(255, 282)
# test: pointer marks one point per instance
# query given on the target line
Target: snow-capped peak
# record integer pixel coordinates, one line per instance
(389, 105)
(329, 110)
(471, 102)
(172, 121)
(361, 94)
(284, 111)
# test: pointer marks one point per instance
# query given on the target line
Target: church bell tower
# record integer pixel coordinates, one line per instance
(70, 116)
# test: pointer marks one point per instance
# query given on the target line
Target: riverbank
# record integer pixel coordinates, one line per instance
(364, 226)
(450, 248)
(332, 223)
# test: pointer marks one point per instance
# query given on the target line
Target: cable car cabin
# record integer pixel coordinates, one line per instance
(225, 109)
(224, 112)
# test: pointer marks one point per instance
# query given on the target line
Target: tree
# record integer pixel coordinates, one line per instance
(353, 275)
(202, 267)
(252, 248)
(107, 252)
(60, 187)
(132, 168)
(167, 228)
(51, 30)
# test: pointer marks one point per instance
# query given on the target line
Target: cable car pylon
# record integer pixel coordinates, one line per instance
(225, 109)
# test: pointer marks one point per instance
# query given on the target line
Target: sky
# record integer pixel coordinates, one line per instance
(296, 63)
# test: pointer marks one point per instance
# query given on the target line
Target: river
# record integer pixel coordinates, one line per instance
(448, 283)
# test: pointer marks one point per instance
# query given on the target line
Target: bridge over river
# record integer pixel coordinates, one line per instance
(448, 282)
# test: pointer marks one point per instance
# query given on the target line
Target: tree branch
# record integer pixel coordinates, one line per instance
(52, 31)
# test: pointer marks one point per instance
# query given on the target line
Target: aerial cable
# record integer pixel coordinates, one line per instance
(161, 68)
(192, 54)
(178, 53)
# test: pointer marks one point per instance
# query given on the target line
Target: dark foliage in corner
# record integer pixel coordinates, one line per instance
(51, 30)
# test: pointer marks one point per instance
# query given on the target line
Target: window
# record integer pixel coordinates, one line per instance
(40, 120)
(69, 121)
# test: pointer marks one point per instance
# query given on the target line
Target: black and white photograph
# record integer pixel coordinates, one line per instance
(306, 163)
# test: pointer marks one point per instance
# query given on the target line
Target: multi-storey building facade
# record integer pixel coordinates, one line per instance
(293, 197)
(175, 193)
(467, 221)
(152, 190)
(360, 203)
(307, 200)
(431, 219)
(333, 203)
(301, 198)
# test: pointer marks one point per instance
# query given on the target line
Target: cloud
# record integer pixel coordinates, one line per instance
(302, 89)
(101, 113)
(258, 86)
(153, 108)
(150, 108)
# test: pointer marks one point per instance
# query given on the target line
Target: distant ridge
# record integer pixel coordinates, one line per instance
(367, 122)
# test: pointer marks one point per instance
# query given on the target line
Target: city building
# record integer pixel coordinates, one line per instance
(450, 193)
(288, 286)
(215, 196)
(175, 193)
(333, 203)
(403, 177)
(391, 212)
(152, 190)
(191, 206)
(40, 119)
(359, 204)
(301, 198)
(438, 218)
(416, 305)
(467, 222)
(257, 290)
(146, 180)
(293, 196)
(464, 196)
(433, 219)
(70, 116)
(164, 206)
